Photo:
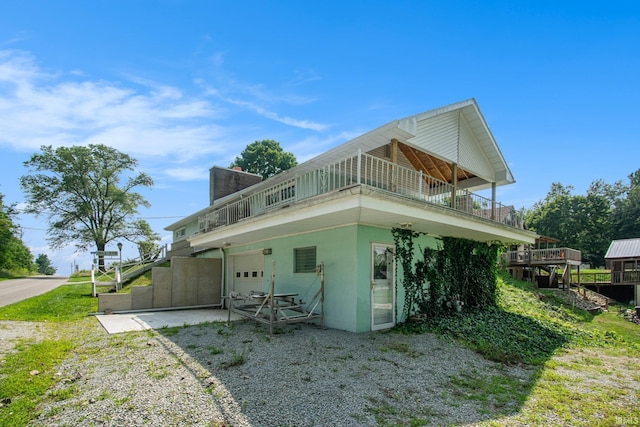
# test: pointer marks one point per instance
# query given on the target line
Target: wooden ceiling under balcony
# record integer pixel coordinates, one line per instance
(431, 165)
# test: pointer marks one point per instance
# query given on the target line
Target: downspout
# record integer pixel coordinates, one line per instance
(223, 281)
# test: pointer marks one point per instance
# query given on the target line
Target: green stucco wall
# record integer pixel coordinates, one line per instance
(346, 253)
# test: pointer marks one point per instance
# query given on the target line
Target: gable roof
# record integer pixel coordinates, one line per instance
(455, 133)
(625, 248)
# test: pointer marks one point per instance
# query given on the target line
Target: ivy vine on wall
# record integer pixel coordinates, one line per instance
(461, 274)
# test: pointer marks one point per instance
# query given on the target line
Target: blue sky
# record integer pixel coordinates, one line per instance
(185, 85)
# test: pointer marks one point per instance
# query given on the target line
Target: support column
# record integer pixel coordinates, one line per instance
(493, 201)
(393, 158)
(454, 183)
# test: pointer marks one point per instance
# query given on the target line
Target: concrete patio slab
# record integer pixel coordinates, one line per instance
(127, 322)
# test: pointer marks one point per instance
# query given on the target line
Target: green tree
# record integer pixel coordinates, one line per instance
(78, 188)
(14, 255)
(626, 213)
(44, 265)
(266, 158)
(149, 250)
(579, 222)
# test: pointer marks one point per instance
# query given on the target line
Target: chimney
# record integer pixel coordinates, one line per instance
(225, 181)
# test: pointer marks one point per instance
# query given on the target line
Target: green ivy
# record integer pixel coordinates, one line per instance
(459, 275)
(413, 296)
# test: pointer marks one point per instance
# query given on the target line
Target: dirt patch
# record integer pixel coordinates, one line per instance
(12, 332)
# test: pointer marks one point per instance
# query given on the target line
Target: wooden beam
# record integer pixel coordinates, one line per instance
(393, 157)
(394, 151)
(418, 162)
(454, 183)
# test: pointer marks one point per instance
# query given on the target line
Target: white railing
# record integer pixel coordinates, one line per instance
(118, 273)
(360, 169)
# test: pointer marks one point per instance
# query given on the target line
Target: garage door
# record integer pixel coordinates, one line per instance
(248, 273)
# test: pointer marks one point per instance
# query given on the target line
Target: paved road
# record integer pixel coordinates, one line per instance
(18, 289)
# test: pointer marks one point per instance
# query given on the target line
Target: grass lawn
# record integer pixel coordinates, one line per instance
(27, 373)
(585, 365)
(66, 303)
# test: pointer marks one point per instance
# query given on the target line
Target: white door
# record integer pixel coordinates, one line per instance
(248, 272)
(382, 287)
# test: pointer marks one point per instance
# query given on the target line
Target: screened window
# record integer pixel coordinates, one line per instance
(304, 260)
(180, 233)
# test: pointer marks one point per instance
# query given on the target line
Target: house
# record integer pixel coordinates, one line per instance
(327, 223)
(623, 259)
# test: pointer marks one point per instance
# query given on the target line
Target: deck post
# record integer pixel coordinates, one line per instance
(454, 183)
(359, 173)
(493, 201)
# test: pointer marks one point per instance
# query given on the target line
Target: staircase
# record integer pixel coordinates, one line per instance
(123, 273)
(564, 279)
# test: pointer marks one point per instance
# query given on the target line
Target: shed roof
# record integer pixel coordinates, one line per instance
(625, 248)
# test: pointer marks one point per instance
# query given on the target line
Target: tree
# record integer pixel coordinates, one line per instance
(149, 250)
(79, 190)
(626, 213)
(44, 265)
(265, 158)
(14, 255)
(580, 222)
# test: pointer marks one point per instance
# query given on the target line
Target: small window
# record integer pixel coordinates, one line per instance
(238, 275)
(254, 274)
(180, 233)
(304, 260)
(246, 274)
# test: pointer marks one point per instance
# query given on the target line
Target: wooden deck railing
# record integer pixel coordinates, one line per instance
(543, 256)
(360, 169)
(625, 277)
(607, 278)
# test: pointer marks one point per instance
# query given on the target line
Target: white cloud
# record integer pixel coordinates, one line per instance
(188, 174)
(37, 108)
(303, 124)
(138, 116)
(313, 146)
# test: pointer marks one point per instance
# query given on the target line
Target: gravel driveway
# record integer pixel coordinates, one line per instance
(214, 375)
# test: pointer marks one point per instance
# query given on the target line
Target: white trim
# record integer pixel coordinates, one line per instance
(391, 282)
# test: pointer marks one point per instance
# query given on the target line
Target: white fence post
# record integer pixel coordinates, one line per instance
(93, 283)
(118, 281)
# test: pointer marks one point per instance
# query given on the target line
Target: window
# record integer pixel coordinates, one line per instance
(304, 260)
(180, 233)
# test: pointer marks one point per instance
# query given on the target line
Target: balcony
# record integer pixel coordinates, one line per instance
(548, 256)
(359, 170)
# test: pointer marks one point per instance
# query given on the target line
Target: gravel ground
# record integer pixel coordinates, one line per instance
(214, 375)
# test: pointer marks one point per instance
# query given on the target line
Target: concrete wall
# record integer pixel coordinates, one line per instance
(188, 282)
(180, 248)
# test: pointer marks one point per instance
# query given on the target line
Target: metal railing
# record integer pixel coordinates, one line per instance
(359, 169)
(118, 273)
